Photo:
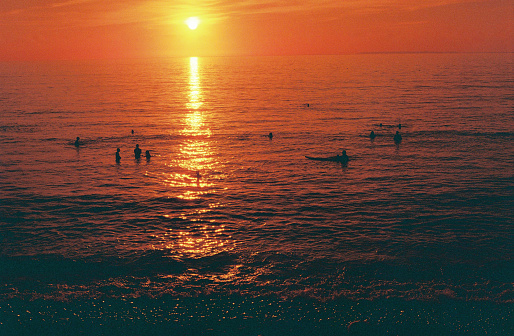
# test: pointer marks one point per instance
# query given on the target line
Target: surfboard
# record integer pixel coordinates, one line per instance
(337, 158)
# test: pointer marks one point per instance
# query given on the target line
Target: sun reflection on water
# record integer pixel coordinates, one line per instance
(190, 170)
(195, 94)
(196, 242)
(197, 157)
(192, 175)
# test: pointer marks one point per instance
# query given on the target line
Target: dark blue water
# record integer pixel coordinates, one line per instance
(225, 231)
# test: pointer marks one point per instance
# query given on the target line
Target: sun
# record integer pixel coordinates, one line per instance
(192, 22)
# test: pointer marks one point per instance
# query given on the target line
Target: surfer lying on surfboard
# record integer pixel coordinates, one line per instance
(338, 158)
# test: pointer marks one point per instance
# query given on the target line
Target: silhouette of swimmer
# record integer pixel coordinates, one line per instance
(372, 135)
(198, 176)
(137, 152)
(270, 136)
(344, 157)
(118, 157)
(397, 137)
(147, 155)
(77, 142)
(132, 131)
(400, 126)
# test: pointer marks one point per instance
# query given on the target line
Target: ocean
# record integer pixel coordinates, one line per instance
(225, 230)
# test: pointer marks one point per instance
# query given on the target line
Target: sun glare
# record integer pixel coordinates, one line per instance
(192, 23)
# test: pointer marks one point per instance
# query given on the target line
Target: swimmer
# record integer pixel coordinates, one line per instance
(397, 137)
(344, 158)
(118, 157)
(77, 142)
(137, 152)
(372, 135)
(270, 136)
(198, 176)
(147, 155)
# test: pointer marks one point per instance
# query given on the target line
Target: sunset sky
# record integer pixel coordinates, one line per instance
(90, 29)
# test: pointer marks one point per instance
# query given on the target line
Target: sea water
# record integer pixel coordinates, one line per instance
(224, 230)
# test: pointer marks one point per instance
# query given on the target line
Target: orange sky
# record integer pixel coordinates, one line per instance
(84, 29)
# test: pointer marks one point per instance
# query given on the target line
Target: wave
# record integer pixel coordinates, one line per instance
(288, 276)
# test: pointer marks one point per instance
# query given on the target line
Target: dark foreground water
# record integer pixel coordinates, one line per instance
(224, 231)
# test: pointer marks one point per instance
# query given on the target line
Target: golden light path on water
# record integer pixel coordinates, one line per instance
(187, 177)
(195, 94)
(196, 151)
(191, 179)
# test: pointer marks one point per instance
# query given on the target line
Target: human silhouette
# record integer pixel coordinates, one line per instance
(147, 155)
(397, 137)
(344, 157)
(372, 135)
(77, 142)
(118, 157)
(137, 152)
(270, 136)
(198, 177)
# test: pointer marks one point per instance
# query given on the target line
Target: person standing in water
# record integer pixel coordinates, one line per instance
(118, 157)
(344, 157)
(77, 142)
(137, 152)
(397, 137)
(147, 155)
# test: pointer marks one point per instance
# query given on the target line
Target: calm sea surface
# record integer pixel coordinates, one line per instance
(226, 231)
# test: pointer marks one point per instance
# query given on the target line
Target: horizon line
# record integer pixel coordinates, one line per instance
(250, 55)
